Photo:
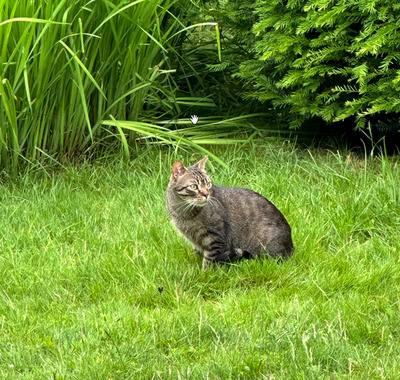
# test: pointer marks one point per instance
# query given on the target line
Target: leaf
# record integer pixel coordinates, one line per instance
(32, 20)
(79, 62)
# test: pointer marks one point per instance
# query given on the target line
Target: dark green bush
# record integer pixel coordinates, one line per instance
(332, 59)
(200, 72)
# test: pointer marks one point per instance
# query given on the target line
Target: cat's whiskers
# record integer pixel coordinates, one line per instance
(185, 206)
(212, 200)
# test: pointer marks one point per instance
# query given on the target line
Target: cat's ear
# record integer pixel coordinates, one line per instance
(178, 170)
(201, 165)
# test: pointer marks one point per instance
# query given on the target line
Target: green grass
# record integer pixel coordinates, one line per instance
(85, 249)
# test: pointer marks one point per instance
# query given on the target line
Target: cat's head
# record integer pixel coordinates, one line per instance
(191, 184)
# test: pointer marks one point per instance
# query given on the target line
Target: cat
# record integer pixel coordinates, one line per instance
(224, 224)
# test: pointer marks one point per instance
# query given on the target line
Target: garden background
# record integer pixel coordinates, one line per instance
(95, 100)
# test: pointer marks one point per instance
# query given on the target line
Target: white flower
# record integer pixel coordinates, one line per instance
(194, 119)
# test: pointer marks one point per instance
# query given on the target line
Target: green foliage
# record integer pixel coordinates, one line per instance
(66, 66)
(69, 70)
(334, 60)
(203, 73)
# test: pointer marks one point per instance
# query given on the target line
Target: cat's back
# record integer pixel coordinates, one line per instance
(254, 222)
(241, 202)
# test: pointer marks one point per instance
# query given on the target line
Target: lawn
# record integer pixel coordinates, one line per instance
(95, 283)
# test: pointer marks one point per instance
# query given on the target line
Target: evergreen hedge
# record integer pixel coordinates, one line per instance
(332, 59)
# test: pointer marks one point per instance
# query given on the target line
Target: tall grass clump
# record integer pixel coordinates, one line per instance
(66, 66)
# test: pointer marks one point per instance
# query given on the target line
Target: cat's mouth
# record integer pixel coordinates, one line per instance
(200, 202)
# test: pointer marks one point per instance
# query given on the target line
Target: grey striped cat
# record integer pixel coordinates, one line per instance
(224, 223)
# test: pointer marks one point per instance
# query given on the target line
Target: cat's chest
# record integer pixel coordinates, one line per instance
(189, 227)
(195, 230)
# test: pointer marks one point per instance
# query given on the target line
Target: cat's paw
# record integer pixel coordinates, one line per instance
(207, 263)
(239, 253)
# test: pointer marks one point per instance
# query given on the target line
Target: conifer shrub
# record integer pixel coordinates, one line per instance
(337, 60)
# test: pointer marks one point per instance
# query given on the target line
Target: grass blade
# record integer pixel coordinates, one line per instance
(79, 62)
(161, 134)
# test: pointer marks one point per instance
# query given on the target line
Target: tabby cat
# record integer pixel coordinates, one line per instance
(224, 223)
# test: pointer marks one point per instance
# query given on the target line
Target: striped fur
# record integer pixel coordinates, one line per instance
(224, 223)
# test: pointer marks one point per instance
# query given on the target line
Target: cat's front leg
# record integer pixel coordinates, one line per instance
(218, 255)
(197, 251)
(206, 263)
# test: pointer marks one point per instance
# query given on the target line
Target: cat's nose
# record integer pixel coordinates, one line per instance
(204, 193)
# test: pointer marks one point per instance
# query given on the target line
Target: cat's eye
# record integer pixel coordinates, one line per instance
(208, 185)
(193, 187)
